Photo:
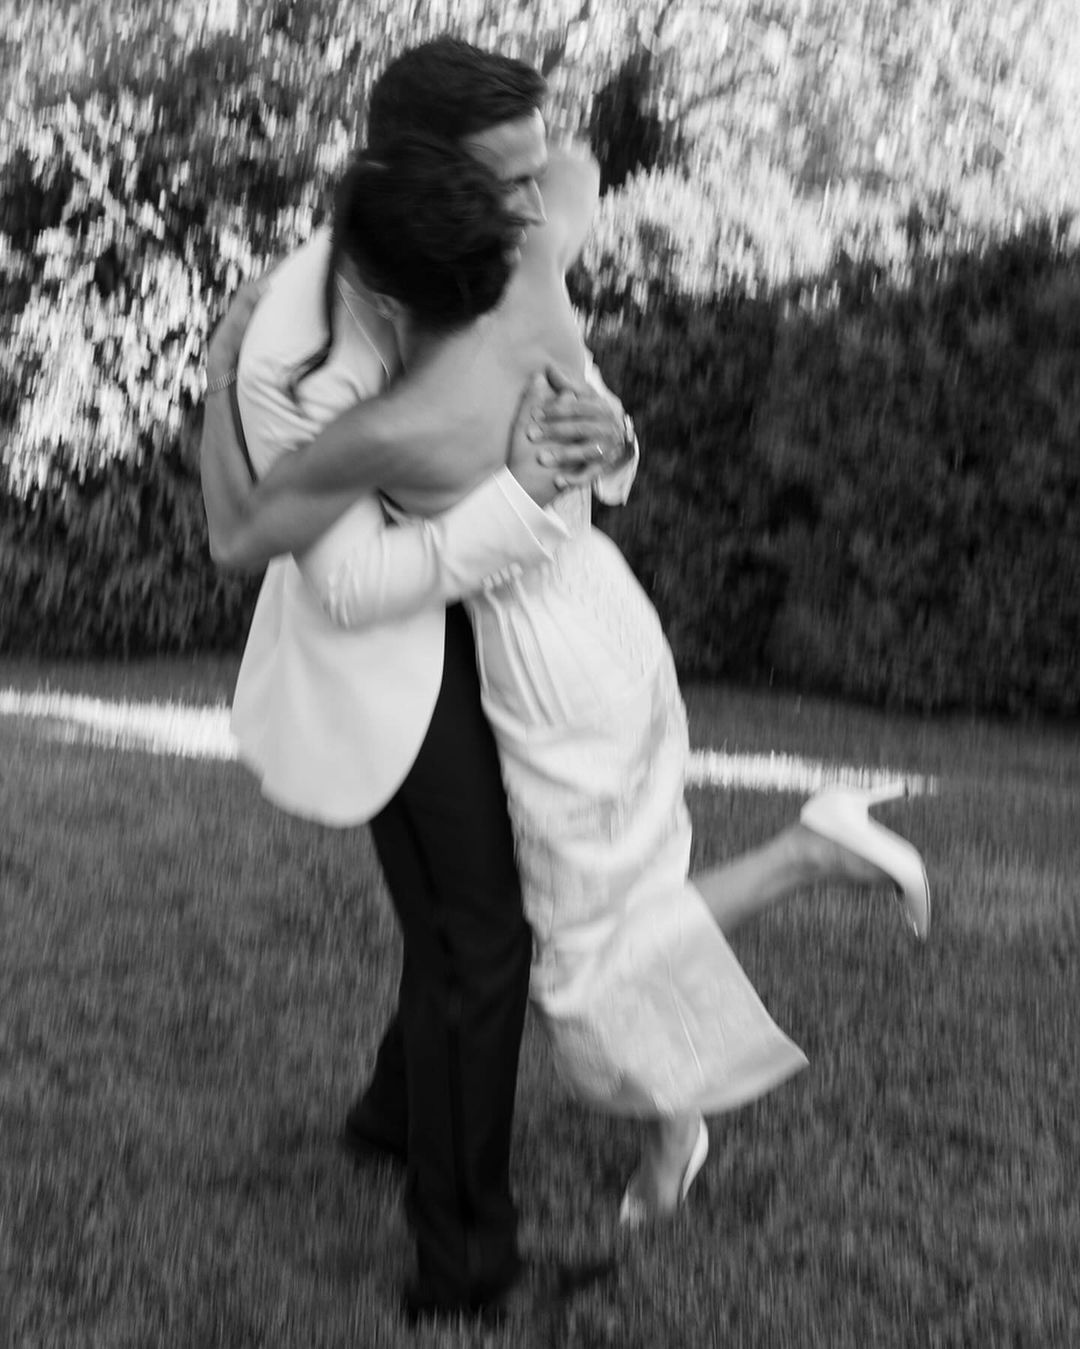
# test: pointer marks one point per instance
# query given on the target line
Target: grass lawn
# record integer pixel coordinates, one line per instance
(193, 987)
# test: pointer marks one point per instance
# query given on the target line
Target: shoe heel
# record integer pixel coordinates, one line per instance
(696, 1162)
(842, 815)
(889, 791)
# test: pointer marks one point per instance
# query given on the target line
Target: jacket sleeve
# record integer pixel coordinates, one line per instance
(369, 570)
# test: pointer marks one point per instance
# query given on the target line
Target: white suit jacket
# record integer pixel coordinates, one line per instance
(331, 720)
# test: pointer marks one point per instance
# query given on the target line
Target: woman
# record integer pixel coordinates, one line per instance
(648, 1012)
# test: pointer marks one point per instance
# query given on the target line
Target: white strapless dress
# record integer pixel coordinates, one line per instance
(647, 1009)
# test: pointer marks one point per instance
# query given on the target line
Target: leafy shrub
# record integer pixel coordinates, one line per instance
(878, 497)
(814, 280)
(158, 154)
(692, 529)
(117, 565)
(934, 431)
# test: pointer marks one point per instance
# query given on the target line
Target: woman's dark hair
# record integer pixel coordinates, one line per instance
(451, 89)
(439, 92)
(425, 224)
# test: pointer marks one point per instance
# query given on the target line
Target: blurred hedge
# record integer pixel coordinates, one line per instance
(877, 497)
(116, 565)
(851, 350)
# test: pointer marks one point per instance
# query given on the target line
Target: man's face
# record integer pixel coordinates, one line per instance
(517, 153)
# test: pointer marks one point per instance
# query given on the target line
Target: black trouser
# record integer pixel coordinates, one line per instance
(446, 1071)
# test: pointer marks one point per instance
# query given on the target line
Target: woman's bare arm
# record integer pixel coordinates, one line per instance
(415, 442)
(250, 522)
(422, 442)
(427, 440)
(246, 527)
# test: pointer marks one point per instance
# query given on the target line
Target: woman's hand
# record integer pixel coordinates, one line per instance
(578, 415)
(545, 465)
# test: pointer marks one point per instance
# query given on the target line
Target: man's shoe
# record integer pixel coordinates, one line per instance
(365, 1141)
(541, 1287)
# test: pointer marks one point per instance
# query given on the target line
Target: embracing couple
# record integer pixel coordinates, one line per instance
(411, 432)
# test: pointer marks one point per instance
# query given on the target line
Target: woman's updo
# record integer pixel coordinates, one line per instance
(425, 224)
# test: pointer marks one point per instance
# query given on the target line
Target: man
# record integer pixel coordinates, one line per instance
(389, 719)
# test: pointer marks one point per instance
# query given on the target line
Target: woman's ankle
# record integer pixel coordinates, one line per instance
(665, 1161)
(677, 1133)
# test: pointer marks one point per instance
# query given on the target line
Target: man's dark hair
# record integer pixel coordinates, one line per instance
(447, 89)
(451, 89)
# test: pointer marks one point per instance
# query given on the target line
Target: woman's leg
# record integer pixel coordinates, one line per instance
(735, 891)
(754, 881)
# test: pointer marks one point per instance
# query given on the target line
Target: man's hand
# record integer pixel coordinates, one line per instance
(226, 483)
(545, 465)
(579, 415)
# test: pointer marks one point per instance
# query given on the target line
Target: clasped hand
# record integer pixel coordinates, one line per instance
(565, 435)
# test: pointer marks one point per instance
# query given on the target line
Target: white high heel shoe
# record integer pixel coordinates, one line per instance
(634, 1212)
(842, 815)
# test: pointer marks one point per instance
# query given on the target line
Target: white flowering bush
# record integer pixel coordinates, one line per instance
(733, 231)
(154, 155)
(793, 188)
(119, 283)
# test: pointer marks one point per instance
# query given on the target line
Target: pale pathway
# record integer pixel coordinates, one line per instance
(203, 733)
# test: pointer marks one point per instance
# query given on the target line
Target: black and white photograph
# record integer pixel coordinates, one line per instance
(539, 674)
